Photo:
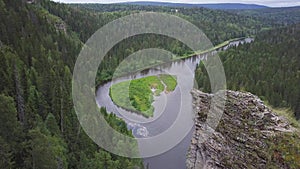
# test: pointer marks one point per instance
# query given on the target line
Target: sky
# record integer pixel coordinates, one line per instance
(271, 3)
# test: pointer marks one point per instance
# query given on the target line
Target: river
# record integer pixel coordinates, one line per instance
(166, 106)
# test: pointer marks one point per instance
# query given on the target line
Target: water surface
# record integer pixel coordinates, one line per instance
(167, 107)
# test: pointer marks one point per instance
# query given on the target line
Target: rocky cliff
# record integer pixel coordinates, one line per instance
(249, 135)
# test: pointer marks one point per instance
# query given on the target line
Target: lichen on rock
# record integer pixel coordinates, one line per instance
(249, 135)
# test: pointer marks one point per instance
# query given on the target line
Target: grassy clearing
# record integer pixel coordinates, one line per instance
(137, 96)
(287, 113)
(284, 149)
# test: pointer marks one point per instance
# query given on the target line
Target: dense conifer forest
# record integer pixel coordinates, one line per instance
(268, 67)
(39, 43)
(39, 128)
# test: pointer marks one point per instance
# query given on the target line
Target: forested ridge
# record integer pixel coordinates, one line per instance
(219, 26)
(39, 128)
(281, 16)
(268, 67)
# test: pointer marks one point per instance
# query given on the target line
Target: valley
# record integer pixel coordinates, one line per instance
(40, 127)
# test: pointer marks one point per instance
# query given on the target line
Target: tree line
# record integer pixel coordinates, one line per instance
(268, 67)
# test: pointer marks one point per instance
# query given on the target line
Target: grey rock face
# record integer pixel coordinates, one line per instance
(243, 138)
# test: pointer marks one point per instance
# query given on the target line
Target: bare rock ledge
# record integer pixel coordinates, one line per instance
(249, 135)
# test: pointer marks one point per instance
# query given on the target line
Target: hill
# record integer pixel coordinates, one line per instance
(210, 6)
(268, 67)
(218, 25)
(284, 16)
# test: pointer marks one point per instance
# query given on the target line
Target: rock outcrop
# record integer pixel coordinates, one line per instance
(249, 135)
(60, 26)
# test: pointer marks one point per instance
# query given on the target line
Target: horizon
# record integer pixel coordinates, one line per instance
(268, 3)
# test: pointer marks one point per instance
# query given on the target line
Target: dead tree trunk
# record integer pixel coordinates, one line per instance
(19, 97)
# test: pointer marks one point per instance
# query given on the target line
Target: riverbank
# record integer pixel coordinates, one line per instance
(160, 63)
(166, 109)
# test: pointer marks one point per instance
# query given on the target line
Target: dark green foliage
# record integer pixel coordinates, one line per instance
(10, 133)
(45, 151)
(39, 128)
(219, 26)
(269, 68)
(281, 16)
(6, 156)
(52, 125)
(9, 127)
(39, 44)
(133, 44)
(81, 21)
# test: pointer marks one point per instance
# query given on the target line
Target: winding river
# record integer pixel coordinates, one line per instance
(166, 106)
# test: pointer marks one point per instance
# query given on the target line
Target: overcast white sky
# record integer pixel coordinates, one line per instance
(271, 3)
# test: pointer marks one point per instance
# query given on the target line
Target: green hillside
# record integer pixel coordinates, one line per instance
(39, 128)
(281, 16)
(269, 68)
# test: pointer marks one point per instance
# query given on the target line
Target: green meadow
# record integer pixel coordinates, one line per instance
(138, 95)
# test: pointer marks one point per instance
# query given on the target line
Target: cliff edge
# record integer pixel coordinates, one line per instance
(249, 135)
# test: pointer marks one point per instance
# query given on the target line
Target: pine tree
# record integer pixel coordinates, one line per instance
(9, 127)
(6, 155)
(51, 125)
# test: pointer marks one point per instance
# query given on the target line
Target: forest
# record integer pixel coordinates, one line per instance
(282, 16)
(268, 67)
(218, 26)
(39, 127)
(39, 43)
